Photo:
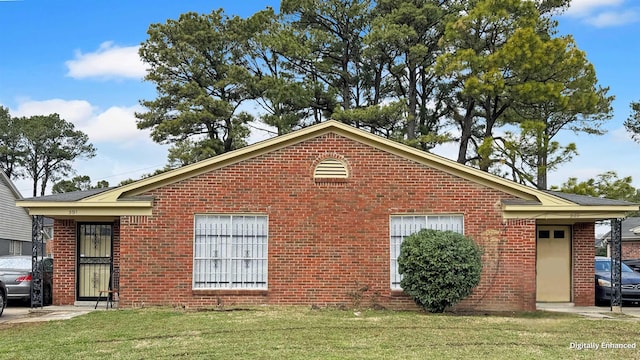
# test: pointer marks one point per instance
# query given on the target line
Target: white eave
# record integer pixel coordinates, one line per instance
(91, 209)
(570, 212)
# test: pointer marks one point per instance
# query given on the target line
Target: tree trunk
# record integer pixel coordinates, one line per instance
(542, 160)
(228, 140)
(411, 94)
(465, 136)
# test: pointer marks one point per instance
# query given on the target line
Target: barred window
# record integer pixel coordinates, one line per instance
(402, 226)
(230, 252)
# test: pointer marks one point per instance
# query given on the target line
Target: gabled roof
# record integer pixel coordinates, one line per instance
(4, 179)
(588, 200)
(70, 196)
(12, 187)
(127, 199)
(630, 230)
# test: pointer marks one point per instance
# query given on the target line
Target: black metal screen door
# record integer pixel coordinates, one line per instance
(94, 259)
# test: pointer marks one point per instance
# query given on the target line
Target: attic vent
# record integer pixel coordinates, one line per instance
(331, 168)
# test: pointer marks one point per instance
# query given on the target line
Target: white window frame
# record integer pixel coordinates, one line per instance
(15, 247)
(230, 251)
(401, 226)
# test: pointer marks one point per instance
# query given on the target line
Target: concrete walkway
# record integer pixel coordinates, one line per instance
(22, 314)
(589, 311)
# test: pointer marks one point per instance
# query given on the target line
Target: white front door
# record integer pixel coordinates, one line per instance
(553, 264)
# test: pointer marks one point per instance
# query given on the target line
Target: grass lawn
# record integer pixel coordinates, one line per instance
(302, 333)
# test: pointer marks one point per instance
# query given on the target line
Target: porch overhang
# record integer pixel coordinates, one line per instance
(78, 209)
(570, 213)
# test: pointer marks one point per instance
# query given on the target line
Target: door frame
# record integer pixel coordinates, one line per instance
(79, 256)
(569, 232)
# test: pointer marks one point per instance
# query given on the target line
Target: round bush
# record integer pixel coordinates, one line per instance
(439, 268)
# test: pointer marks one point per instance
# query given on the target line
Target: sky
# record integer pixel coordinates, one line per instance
(78, 58)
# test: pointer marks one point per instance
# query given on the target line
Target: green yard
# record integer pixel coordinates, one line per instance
(302, 333)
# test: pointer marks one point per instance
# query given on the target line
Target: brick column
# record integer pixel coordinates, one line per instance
(64, 262)
(584, 253)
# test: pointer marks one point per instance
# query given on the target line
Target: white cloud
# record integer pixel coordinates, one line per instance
(123, 151)
(621, 135)
(585, 7)
(109, 61)
(603, 13)
(116, 124)
(74, 111)
(607, 19)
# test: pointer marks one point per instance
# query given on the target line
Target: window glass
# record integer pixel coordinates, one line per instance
(15, 247)
(544, 234)
(230, 252)
(402, 226)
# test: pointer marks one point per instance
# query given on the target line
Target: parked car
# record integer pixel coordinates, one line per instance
(634, 264)
(630, 282)
(3, 297)
(15, 272)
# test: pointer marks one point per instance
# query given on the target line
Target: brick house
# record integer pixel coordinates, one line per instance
(316, 217)
(630, 238)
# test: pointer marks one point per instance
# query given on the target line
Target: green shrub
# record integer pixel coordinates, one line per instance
(601, 251)
(439, 268)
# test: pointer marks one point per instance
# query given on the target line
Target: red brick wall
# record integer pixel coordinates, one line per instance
(583, 253)
(326, 240)
(64, 262)
(509, 268)
(631, 250)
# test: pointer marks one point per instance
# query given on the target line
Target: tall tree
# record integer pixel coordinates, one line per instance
(632, 124)
(12, 150)
(199, 68)
(405, 38)
(606, 185)
(185, 152)
(330, 34)
(283, 96)
(570, 100)
(385, 120)
(408, 70)
(51, 145)
(475, 62)
(77, 183)
(530, 153)
(501, 55)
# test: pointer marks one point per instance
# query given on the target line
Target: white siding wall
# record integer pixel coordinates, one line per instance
(15, 223)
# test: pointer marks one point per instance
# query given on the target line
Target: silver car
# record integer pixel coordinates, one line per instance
(15, 272)
(3, 297)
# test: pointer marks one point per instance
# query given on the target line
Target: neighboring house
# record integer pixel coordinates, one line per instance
(47, 236)
(316, 217)
(15, 227)
(630, 238)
